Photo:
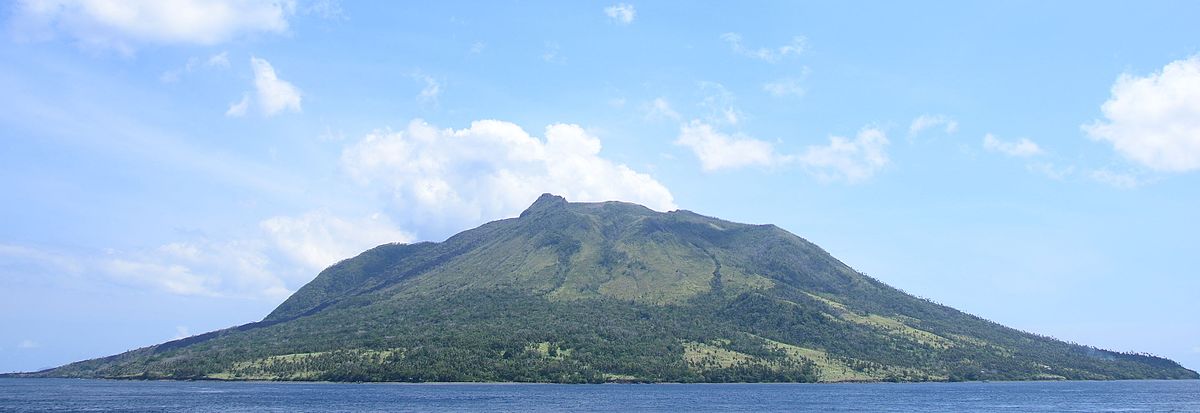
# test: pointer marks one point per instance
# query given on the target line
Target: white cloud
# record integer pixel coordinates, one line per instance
(1155, 120)
(21, 259)
(327, 9)
(621, 13)
(284, 252)
(219, 60)
(718, 101)
(478, 47)
(318, 239)
(659, 108)
(443, 179)
(795, 48)
(1052, 171)
(216, 61)
(122, 25)
(1022, 148)
(848, 160)
(238, 109)
(27, 344)
(181, 332)
(274, 95)
(720, 151)
(925, 122)
(784, 87)
(550, 54)
(238, 268)
(1115, 179)
(429, 94)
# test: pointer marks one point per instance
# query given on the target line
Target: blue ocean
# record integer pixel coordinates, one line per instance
(73, 395)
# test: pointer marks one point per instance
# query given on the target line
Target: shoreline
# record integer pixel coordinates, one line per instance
(467, 383)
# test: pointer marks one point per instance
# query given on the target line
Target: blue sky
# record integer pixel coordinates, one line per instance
(170, 168)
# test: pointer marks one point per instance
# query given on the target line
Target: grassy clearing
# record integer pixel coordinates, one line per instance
(703, 356)
(831, 369)
(891, 325)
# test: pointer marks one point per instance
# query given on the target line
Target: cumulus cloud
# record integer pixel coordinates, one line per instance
(925, 122)
(717, 150)
(621, 13)
(318, 239)
(794, 48)
(1154, 120)
(122, 25)
(274, 94)
(849, 160)
(443, 179)
(1021, 148)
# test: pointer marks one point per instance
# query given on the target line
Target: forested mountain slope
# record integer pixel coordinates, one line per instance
(594, 292)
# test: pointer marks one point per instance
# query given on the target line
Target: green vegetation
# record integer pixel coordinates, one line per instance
(582, 293)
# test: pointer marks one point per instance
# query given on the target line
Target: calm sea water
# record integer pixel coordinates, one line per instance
(21, 395)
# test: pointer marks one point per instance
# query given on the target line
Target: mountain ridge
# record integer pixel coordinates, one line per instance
(613, 291)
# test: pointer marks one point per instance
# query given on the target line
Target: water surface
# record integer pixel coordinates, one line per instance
(20, 395)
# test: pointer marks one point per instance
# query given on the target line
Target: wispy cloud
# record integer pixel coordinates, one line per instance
(718, 101)
(430, 92)
(216, 61)
(1115, 179)
(550, 53)
(275, 95)
(788, 86)
(238, 109)
(125, 25)
(849, 160)
(327, 9)
(925, 122)
(621, 13)
(660, 109)
(272, 94)
(796, 47)
(1051, 170)
(1021, 148)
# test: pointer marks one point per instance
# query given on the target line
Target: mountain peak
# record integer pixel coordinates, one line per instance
(545, 202)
